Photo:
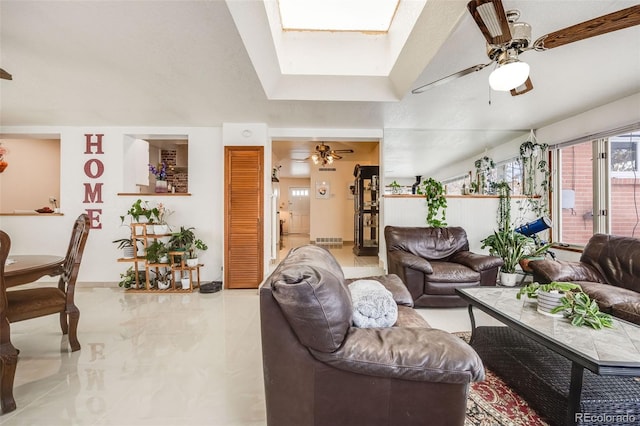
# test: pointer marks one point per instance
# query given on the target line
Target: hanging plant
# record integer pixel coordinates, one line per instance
(503, 190)
(535, 166)
(433, 192)
(484, 174)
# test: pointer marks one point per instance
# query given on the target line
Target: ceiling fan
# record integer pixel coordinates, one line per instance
(5, 75)
(325, 155)
(507, 39)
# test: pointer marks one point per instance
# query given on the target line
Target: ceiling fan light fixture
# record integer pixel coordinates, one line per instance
(509, 75)
(315, 158)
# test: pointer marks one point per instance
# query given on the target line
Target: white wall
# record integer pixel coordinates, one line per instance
(202, 210)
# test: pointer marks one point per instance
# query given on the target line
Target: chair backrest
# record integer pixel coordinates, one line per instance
(5, 245)
(427, 243)
(71, 265)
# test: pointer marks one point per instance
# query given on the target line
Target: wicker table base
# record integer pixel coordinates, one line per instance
(542, 378)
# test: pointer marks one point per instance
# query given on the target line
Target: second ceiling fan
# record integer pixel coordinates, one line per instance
(325, 155)
(507, 39)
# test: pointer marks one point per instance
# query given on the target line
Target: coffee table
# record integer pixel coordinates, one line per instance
(606, 352)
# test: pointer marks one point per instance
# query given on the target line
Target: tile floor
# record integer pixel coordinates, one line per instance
(157, 359)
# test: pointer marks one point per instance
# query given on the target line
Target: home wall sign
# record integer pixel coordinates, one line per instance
(93, 169)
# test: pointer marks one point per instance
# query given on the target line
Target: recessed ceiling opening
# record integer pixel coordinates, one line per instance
(337, 15)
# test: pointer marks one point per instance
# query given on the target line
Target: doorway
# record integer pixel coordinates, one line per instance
(299, 217)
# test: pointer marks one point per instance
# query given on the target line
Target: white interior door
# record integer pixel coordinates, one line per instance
(299, 210)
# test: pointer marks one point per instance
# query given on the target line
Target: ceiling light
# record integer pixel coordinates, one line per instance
(511, 73)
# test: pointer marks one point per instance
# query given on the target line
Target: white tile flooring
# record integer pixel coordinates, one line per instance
(157, 359)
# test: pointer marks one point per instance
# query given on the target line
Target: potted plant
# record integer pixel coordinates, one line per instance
(510, 247)
(433, 192)
(192, 252)
(128, 278)
(548, 296)
(160, 226)
(395, 187)
(163, 278)
(182, 239)
(141, 212)
(157, 252)
(581, 310)
(128, 247)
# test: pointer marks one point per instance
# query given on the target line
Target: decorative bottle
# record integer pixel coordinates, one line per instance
(414, 187)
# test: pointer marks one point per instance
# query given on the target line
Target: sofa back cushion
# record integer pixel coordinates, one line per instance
(310, 288)
(428, 243)
(617, 259)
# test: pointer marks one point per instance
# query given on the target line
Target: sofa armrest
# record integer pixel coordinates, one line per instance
(409, 260)
(553, 270)
(475, 261)
(394, 284)
(418, 354)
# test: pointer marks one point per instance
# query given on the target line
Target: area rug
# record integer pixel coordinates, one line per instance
(493, 403)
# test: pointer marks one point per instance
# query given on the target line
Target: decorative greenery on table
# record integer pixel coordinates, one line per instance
(531, 290)
(581, 310)
(576, 306)
(433, 192)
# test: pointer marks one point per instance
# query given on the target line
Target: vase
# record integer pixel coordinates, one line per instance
(186, 283)
(161, 229)
(414, 187)
(128, 252)
(162, 186)
(548, 300)
(508, 279)
(192, 263)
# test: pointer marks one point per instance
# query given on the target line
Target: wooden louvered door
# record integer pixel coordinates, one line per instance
(244, 248)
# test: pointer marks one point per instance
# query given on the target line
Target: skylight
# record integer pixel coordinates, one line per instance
(337, 15)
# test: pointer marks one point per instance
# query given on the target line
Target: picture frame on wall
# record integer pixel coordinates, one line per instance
(323, 190)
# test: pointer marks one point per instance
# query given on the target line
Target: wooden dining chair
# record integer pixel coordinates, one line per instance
(19, 305)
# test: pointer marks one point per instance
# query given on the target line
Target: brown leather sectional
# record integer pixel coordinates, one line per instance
(608, 271)
(433, 262)
(321, 370)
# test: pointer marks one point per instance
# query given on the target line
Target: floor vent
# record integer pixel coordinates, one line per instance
(329, 241)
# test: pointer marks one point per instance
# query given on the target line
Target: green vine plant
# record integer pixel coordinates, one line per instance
(535, 167)
(580, 309)
(485, 166)
(433, 192)
(503, 190)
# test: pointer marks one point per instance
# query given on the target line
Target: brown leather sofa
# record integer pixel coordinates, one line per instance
(608, 271)
(433, 262)
(321, 370)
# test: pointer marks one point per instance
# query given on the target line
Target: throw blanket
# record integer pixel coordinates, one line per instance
(373, 304)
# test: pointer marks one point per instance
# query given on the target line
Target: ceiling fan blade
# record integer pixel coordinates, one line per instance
(525, 87)
(5, 75)
(449, 78)
(491, 19)
(336, 156)
(615, 21)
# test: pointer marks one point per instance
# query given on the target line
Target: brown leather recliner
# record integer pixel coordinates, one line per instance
(608, 271)
(320, 370)
(433, 262)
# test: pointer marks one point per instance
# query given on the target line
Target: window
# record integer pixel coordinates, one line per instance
(576, 187)
(141, 151)
(454, 185)
(32, 178)
(510, 171)
(598, 187)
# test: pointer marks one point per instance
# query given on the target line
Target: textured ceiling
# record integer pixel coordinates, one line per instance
(170, 63)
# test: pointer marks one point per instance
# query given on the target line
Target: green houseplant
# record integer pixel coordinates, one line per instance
(182, 240)
(128, 247)
(128, 278)
(433, 192)
(140, 211)
(157, 252)
(510, 247)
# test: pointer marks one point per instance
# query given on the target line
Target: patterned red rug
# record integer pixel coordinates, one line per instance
(493, 403)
